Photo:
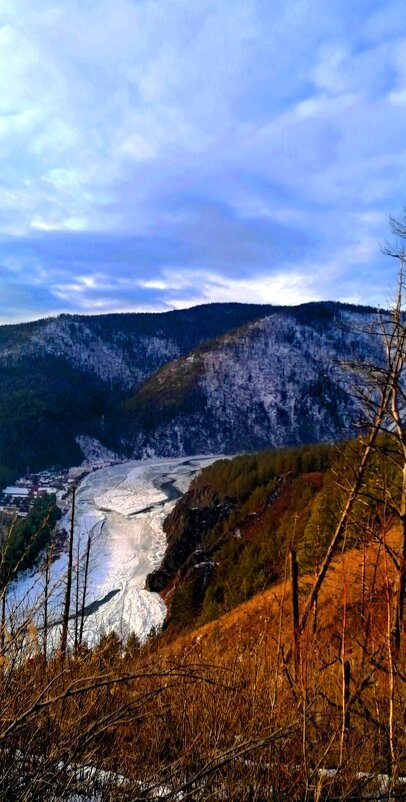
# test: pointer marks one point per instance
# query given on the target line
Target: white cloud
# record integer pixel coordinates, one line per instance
(328, 73)
(67, 224)
(323, 106)
(200, 129)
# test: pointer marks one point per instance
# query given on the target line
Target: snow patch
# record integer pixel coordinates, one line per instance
(94, 451)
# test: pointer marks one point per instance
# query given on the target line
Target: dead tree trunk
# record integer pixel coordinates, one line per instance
(46, 601)
(3, 620)
(66, 608)
(295, 610)
(77, 596)
(85, 578)
(349, 503)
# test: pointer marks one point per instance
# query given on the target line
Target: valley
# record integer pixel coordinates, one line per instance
(120, 508)
(280, 671)
(203, 401)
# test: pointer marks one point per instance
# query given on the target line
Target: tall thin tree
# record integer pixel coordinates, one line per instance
(66, 607)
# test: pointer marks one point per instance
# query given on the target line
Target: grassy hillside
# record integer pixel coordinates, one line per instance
(222, 712)
(229, 536)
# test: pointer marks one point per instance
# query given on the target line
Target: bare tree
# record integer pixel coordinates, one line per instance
(381, 388)
(66, 608)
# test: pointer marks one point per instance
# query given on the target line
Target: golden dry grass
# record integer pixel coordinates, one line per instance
(220, 710)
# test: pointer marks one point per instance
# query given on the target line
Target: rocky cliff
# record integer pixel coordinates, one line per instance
(197, 512)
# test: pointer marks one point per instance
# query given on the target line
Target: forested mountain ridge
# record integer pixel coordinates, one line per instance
(123, 349)
(214, 378)
(61, 377)
(279, 381)
(228, 536)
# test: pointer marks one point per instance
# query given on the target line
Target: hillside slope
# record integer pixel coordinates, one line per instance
(219, 378)
(122, 349)
(228, 536)
(61, 377)
(241, 708)
(275, 382)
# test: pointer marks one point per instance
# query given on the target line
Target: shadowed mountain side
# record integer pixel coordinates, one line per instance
(62, 377)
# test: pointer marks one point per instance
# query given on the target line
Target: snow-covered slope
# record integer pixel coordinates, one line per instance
(177, 383)
(62, 377)
(275, 382)
(122, 349)
(125, 359)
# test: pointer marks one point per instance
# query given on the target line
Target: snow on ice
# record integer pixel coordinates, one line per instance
(122, 507)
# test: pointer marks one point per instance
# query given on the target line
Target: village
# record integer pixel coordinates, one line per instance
(18, 499)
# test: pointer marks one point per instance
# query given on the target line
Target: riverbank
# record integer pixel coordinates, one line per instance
(119, 513)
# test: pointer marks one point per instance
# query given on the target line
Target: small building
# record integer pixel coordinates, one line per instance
(16, 492)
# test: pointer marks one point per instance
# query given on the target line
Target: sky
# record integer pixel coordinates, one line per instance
(157, 154)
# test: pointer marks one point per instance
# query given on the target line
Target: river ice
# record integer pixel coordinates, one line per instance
(123, 507)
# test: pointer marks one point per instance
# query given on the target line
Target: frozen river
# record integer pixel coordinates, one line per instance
(123, 507)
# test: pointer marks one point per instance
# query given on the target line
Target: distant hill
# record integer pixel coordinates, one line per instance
(60, 377)
(214, 378)
(278, 381)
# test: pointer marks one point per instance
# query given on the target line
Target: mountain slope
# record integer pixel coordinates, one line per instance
(62, 376)
(274, 382)
(123, 349)
(214, 378)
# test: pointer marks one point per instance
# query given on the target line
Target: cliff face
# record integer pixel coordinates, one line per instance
(195, 513)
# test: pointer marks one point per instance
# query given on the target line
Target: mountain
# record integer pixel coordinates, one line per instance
(61, 377)
(278, 381)
(122, 349)
(214, 378)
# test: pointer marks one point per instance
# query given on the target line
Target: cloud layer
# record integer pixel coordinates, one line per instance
(156, 155)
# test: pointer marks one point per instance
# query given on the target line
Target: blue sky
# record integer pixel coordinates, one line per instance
(157, 154)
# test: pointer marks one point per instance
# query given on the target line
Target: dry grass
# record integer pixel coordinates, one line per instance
(217, 712)
(259, 617)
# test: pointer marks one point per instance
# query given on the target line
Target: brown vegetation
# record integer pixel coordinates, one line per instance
(218, 712)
